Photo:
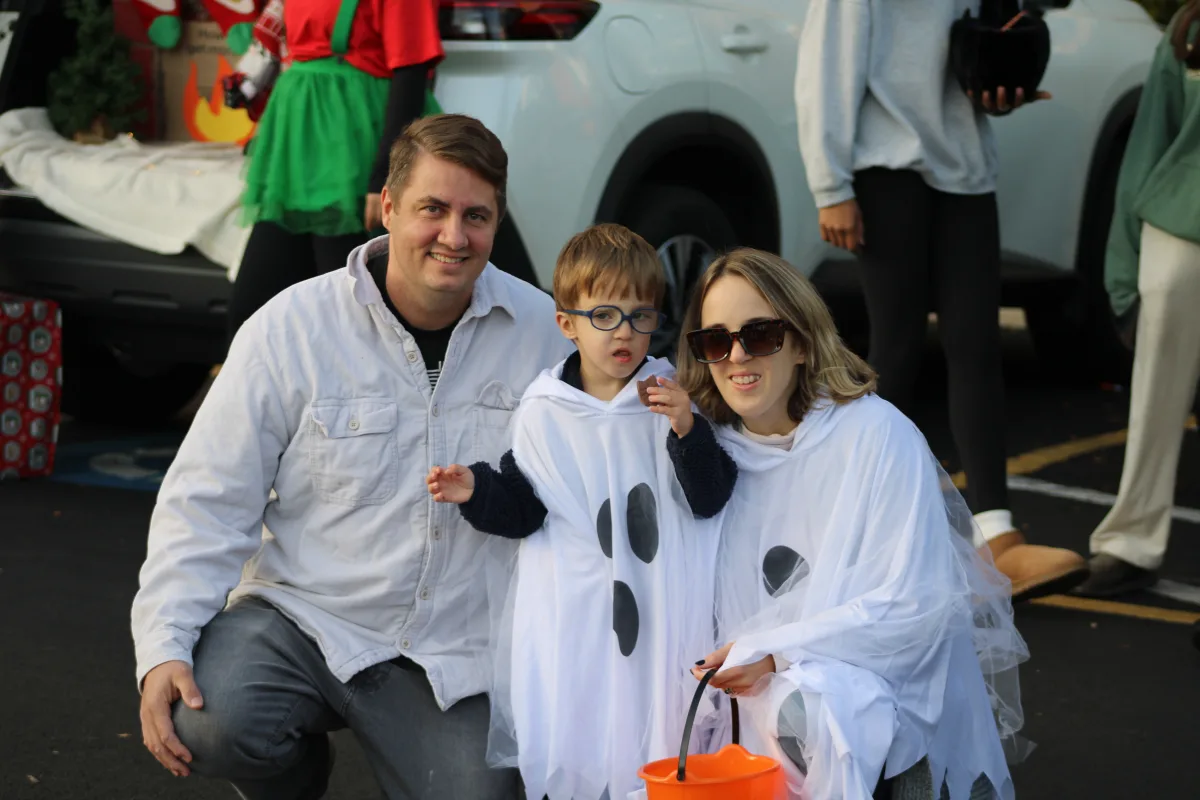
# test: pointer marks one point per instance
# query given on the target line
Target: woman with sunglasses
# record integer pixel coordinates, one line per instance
(863, 633)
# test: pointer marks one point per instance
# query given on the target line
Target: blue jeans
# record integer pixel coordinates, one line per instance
(270, 702)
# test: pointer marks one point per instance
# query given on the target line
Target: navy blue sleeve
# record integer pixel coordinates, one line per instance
(406, 102)
(705, 471)
(504, 502)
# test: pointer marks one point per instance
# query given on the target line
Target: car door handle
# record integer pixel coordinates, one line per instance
(742, 42)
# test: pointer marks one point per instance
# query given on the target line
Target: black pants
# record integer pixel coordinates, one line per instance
(276, 258)
(928, 250)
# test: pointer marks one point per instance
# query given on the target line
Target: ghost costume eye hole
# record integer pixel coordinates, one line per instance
(641, 519)
(782, 567)
(641, 527)
(604, 528)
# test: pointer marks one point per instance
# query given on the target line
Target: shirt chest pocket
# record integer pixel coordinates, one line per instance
(491, 414)
(353, 453)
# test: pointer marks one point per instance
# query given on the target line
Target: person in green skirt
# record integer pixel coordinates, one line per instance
(358, 74)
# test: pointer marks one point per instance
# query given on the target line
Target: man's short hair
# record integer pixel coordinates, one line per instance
(607, 257)
(458, 139)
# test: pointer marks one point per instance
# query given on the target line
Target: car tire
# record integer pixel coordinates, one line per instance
(688, 229)
(99, 387)
(1074, 331)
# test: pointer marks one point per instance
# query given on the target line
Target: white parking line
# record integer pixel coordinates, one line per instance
(1022, 483)
(1181, 592)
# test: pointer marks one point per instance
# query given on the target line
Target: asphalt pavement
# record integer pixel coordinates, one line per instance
(1111, 694)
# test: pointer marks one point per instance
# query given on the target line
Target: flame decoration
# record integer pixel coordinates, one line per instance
(210, 120)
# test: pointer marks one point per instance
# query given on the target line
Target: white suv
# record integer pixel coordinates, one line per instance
(676, 117)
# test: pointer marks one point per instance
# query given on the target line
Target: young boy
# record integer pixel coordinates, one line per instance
(612, 593)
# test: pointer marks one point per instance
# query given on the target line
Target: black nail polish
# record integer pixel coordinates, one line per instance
(701, 661)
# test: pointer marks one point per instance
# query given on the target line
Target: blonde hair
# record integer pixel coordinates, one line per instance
(604, 257)
(830, 368)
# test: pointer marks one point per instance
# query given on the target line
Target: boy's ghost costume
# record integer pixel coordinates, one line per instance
(849, 555)
(611, 601)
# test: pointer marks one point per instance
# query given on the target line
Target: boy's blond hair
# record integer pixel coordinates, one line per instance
(607, 258)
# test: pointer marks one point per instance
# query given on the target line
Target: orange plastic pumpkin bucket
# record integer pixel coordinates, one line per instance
(733, 773)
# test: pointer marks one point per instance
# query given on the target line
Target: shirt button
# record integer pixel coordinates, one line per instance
(437, 534)
(406, 644)
(435, 411)
(424, 594)
(353, 424)
(412, 356)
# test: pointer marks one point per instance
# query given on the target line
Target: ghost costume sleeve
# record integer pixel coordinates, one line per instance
(899, 635)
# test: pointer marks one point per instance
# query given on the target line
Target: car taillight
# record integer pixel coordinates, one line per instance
(513, 20)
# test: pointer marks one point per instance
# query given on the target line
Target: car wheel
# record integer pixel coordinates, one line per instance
(1074, 331)
(101, 387)
(688, 229)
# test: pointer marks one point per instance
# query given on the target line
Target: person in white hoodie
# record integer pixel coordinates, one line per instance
(862, 633)
(298, 578)
(902, 164)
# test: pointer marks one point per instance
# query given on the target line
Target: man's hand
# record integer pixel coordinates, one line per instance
(736, 680)
(1001, 106)
(162, 686)
(669, 398)
(373, 215)
(842, 226)
(454, 484)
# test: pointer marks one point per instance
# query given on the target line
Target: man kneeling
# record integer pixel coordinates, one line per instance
(363, 604)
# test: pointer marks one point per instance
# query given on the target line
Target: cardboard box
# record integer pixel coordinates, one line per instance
(192, 103)
(182, 108)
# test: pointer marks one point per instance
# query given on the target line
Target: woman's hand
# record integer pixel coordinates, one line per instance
(736, 680)
(670, 399)
(842, 225)
(1001, 105)
(454, 484)
(373, 215)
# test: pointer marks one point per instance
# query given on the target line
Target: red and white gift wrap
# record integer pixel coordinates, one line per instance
(30, 385)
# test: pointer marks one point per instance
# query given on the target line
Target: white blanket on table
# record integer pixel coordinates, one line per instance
(160, 197)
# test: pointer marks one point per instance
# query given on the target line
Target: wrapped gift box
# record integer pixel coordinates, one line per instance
(30, 385)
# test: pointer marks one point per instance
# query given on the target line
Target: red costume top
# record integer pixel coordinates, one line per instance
(386, 34)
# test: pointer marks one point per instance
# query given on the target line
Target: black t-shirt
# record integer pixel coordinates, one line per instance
(432, 344)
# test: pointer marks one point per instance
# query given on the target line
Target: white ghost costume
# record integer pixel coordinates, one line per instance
(610, 602)
(848, 557)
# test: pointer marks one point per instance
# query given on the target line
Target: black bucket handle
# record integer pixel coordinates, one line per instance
(681, 774)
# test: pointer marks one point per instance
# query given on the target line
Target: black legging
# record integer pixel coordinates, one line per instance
(929, 250)
(275, 259)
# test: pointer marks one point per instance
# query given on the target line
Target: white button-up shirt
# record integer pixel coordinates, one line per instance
(324, 399)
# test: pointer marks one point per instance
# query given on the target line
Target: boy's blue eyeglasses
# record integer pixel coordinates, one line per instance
(609, 318)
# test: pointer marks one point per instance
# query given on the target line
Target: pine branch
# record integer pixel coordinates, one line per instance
(99, 81)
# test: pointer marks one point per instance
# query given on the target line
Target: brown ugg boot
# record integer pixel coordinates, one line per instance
(1036, 570)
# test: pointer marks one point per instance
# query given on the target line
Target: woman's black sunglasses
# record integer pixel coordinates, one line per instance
(710, 345)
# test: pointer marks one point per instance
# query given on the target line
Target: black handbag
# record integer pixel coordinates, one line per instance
(1005, 46)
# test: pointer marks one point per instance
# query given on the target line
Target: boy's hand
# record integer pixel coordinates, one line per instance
(669, 398)
(454, 484)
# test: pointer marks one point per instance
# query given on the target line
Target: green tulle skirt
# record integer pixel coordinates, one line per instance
(309, 164)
